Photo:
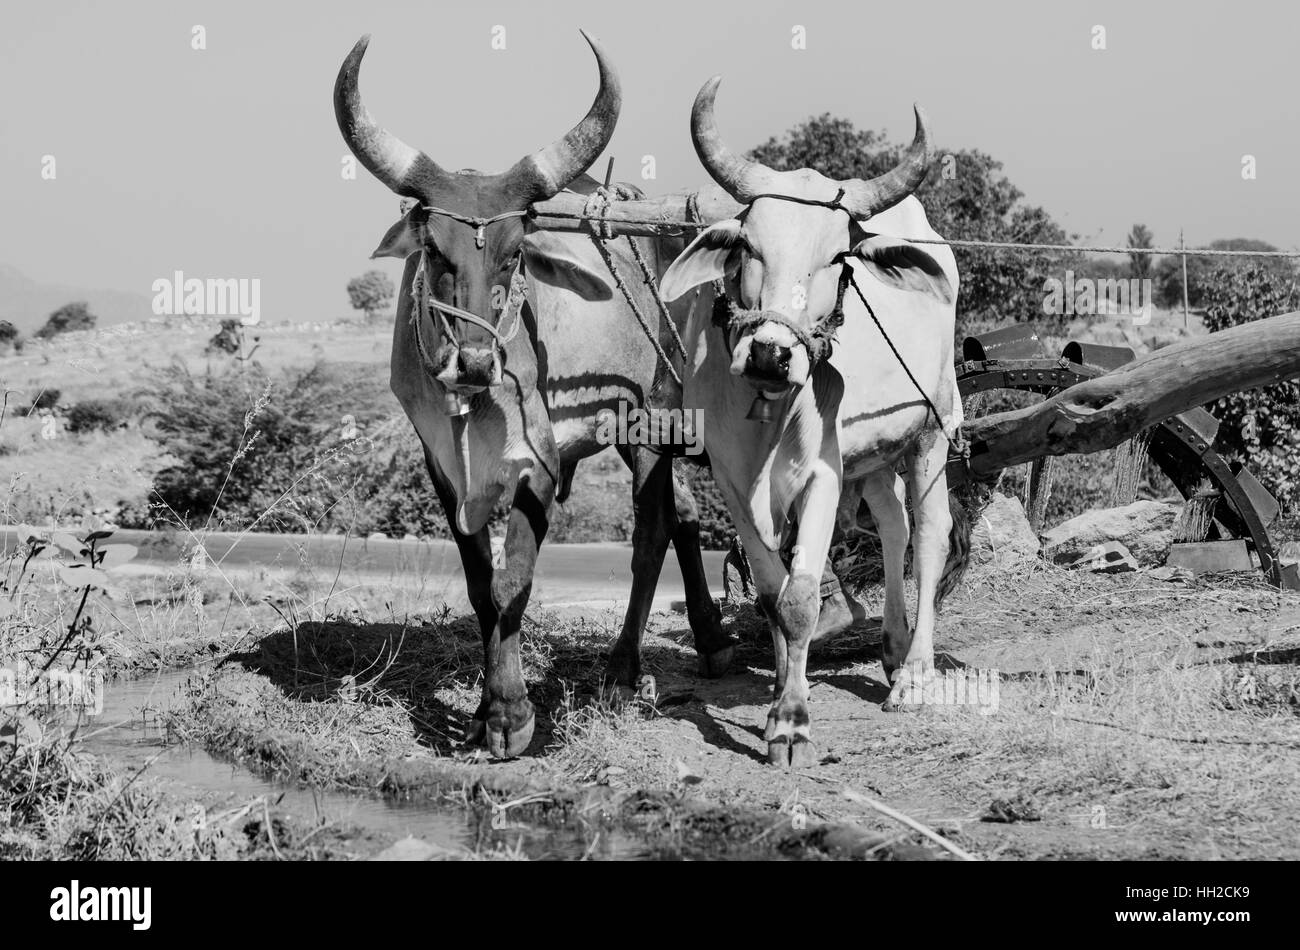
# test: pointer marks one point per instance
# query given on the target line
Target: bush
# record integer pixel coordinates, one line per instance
(716, 529)
(1259, 426)
(314, 450)
(97, 414)
(69, 317)
(1168, 278)
(10, 335)
(45, 399)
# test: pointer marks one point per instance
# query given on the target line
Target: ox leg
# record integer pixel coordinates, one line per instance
(476, 560)
(713, 647)
(769, 574)
(885, 494)
(789, 732)
(928, 483)
(510, 717)
(652, 514)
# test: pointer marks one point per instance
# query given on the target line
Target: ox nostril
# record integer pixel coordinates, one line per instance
(475, 367)
(769, 360)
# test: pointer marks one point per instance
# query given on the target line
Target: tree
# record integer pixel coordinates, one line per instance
(966, 196)
(1260, 426)
(1169, 273)
(10, 335)
(1140, 264)
(69, 317)
(371, 292)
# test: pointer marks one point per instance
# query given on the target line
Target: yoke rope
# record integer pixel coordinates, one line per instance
(594, 212)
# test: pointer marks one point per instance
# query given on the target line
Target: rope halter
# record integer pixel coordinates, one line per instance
(732, 318)
(444, 315)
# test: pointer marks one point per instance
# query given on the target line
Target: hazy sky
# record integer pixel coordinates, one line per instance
(225, 162)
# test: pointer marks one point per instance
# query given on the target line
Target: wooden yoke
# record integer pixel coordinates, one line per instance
(681, 212)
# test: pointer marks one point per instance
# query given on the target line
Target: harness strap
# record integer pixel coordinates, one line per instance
(480, 238)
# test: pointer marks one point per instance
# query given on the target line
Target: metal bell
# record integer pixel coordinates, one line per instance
(455, 403)
(762, 410)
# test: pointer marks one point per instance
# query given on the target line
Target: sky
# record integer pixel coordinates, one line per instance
(225, 162)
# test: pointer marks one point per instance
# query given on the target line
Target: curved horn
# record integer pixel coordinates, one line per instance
(865, 198)
(542, 174)
(405, 170)
(741, 178)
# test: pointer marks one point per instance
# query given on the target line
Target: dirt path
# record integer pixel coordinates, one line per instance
(1137, 718)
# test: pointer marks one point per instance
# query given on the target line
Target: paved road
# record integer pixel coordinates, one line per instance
(566, 573)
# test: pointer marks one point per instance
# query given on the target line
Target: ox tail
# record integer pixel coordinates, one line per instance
(966, 504)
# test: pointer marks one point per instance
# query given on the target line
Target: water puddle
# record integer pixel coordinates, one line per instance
(128, 733)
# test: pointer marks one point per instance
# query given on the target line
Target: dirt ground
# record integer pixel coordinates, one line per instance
(1138, 718)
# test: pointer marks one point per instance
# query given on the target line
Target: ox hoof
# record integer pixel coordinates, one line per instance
(794, 752)
(509, 730)
(916, 688)
(715, 664)
(622, 668)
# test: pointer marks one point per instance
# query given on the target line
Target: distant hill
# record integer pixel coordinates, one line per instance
(26, 304)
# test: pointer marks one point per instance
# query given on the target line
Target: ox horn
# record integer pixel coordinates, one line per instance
(405, 170)
(542, 174)
(739, 177)
(863, 198)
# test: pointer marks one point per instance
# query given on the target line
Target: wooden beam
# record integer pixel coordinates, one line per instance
(1101, 413)
(649, 216)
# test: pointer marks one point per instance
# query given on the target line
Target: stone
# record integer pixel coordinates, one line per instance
(1003, 534)
(1144, 528)
(1289, 553)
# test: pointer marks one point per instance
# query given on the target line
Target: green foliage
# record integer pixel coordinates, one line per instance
(371, 292)
(314, 450)
(68, 318)
(1258, 426)
(965, 196)
(1168, 276)
(1140, 264)
(10, 335)
(102, 414)
(46, 399)
(716, 530)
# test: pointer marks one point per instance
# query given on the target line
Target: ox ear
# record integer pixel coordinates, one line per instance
(904, 265)
(558, 263)
(400, 241)
(712, 255)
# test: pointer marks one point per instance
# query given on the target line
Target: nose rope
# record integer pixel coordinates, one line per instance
(422, 301)
(961, 446)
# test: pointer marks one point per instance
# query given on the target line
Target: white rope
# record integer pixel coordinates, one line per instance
(612, 226)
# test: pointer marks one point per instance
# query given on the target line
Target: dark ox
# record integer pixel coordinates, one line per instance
(505, 351)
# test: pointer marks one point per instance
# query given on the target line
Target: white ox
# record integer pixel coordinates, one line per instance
(840, 427)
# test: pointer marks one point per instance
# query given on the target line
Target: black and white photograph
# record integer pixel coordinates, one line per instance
(753, 431)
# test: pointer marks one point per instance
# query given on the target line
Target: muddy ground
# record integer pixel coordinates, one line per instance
(1138, 718)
